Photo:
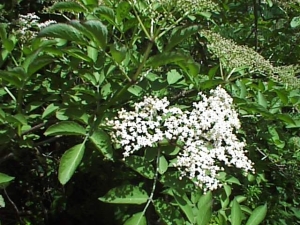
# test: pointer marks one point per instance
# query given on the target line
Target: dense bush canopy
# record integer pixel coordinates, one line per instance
(150, 112)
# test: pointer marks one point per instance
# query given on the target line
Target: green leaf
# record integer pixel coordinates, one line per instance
(13, 77)
(180, 35)
(93, 52)
(122, 11)
(50, 110)
(186, 206)
(4, 178)
(104, 12)
(171, 179)
(204, 209)
(136, 219)
(135, 90)
(2, 202)
(257, 215)
(103, 143)
(9, 44)
(98, 31)
(65, 128)
(126, 194)
(68, 7)
(173, 76)
(286, 118)
(262, 100)
(118, 53)
(162, 164)
(38, 64)
(169, 214)
(141, 165)
(167, 58)
(295, 22)
(63, 31)
(236, 213)
(77, 53)
(69, 162)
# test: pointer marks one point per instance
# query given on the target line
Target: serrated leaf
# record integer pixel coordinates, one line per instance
(181, 34)
(68, 7)
(69, 162)
(126, 194)
(204, 209)
(141, 165)
(236, 213)
(106, 13)
(76, 53)
(102, 142)
(173, 76)
(136, 219)
(66, 128)
(257, 215)
(63, 31)
(98, 31)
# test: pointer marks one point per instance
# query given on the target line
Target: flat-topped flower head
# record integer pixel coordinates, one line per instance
(205, 132)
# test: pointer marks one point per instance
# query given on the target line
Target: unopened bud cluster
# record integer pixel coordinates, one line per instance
(205, 134)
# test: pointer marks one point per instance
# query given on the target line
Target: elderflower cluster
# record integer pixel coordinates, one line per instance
(205, 134)
(169, 10)
(30, 25)
(235, 56)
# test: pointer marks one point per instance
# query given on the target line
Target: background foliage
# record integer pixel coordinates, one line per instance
(58, 84)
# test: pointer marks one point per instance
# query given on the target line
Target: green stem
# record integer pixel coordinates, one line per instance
(153, 186)
(141, 23)
(117, 96)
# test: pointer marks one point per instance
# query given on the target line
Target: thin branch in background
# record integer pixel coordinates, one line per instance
(13, 204)
(6, 157)
(255, 12)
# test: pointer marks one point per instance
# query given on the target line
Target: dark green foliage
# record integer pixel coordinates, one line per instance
(58, 162)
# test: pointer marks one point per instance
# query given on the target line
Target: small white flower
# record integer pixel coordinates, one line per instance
(206, 133)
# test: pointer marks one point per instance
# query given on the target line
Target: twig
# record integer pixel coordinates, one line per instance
(153, 187)
(6, 157)
(13, 204)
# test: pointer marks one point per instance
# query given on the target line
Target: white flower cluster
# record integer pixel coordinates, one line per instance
(206, 134)
(29, 25)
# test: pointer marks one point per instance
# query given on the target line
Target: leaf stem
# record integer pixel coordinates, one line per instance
(153, 186)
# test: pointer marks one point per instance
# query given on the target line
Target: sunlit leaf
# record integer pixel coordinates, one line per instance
(141, 165)
(64, 31)
(126, 194)
(68, 6)
(236, 213)
(204, 209)
(181, 34)
(136, 219)
(103, 143)
(168, 213)
(258, 215)
(69, 162)
(66, 128)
